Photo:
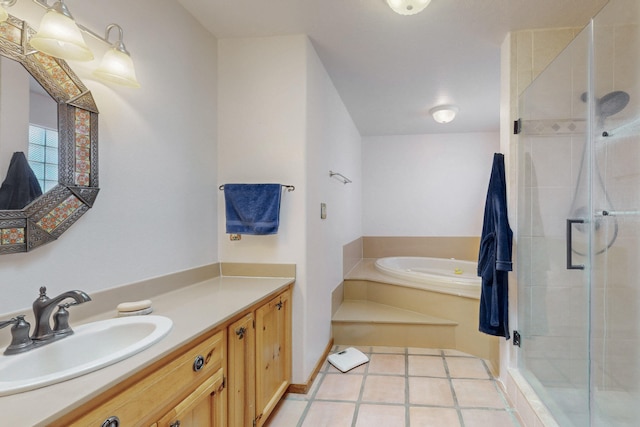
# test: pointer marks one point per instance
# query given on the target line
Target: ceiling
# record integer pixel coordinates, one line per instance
(390, 69)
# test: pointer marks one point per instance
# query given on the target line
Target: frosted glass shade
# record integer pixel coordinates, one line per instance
(3, 14)
(59, 36)
(444, 113)
(117, 67)
(408, 7)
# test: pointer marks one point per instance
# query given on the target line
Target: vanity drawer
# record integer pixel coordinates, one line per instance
(136, 404)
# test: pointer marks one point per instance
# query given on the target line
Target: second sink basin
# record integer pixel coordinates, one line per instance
(92, 346)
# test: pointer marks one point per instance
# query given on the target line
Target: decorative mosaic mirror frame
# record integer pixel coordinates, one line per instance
(50, 215)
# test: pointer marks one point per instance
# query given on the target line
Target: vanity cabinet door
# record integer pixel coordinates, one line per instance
(241, 372)
(273, 354)
(138, 400)
(204, 407)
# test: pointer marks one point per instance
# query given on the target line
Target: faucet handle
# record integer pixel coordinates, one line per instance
(20, 340)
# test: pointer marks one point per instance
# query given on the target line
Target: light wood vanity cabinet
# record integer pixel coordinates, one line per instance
(136, 401)
(232, 377)
(259, 361)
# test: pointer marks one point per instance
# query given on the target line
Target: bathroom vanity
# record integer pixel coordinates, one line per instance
(227, 361)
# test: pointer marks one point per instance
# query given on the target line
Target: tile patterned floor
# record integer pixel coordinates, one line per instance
(410, 387)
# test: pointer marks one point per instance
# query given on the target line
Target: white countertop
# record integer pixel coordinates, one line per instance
(194, 310)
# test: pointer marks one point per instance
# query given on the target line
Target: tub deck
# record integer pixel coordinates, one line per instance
(378, 309)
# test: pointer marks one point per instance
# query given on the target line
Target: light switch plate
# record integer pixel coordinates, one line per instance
(323, 211)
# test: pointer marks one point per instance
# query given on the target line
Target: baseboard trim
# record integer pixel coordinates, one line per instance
(304, 388)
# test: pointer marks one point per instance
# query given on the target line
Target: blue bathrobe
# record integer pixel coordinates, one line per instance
(494, 261)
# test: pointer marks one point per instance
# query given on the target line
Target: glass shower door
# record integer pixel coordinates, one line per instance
(553, 234)
(578, 232)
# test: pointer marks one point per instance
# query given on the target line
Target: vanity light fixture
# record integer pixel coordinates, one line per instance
(4, 4)
(117, 65)
(408, 7)
(444, 113)
(59, 35)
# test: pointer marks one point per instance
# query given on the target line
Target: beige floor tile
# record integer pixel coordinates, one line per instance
(425, 351)
(430, 391)
(466, 367)
(427, 366)
(380, 416)
(392, 364)
(384, 389)
(340, 387)
(287, 413)
(393, 350)
(434, 417)
(477, 393)
(329, 414)
(483, 418)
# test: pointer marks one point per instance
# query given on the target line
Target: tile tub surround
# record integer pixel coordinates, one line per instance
(459, 247)
(401, 387)
(195, 308)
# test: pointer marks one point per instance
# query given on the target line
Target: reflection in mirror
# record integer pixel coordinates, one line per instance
(29, 125)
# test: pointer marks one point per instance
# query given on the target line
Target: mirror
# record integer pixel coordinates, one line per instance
(74, 191)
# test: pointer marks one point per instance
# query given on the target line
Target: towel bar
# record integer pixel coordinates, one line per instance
(288, 187)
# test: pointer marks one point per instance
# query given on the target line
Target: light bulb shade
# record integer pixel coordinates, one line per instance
(444, 113)
(408, 7)
(59, 36)
(117, 67)
(3, 14)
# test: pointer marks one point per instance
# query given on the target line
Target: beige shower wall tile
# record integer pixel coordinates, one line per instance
(547, 44)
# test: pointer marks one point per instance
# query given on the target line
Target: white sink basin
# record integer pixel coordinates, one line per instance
(92, 346)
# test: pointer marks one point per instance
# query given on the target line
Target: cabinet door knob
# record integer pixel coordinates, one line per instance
(198, 364)
(111, 422)
(240, 332)
(279, 305)
(175, 424)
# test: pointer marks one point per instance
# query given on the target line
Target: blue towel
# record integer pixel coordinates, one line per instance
(252, 208)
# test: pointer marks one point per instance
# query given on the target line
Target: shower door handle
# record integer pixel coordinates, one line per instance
(570, 265)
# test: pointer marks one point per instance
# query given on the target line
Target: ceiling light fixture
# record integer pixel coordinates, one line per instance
(408, 7)
(444, 113)
(60, 36)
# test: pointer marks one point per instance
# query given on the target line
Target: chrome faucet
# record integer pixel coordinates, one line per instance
(44, 306)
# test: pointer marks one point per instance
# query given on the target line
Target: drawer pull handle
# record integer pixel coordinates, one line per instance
(111, 422)
(175, 424)
(240, 332)
(198, 363)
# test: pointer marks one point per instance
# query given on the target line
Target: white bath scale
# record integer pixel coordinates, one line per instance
(347, 359)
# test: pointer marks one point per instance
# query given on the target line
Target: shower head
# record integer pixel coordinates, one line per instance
(610, 104)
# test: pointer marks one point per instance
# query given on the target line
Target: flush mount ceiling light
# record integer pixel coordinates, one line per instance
(408, 7)
(60, 36)
(444, 113)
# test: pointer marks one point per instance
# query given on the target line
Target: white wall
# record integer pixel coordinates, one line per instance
(333, 143)
(426, 185)
(156, 210)
(281, 120)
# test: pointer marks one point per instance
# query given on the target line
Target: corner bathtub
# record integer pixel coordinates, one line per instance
(444, 275)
